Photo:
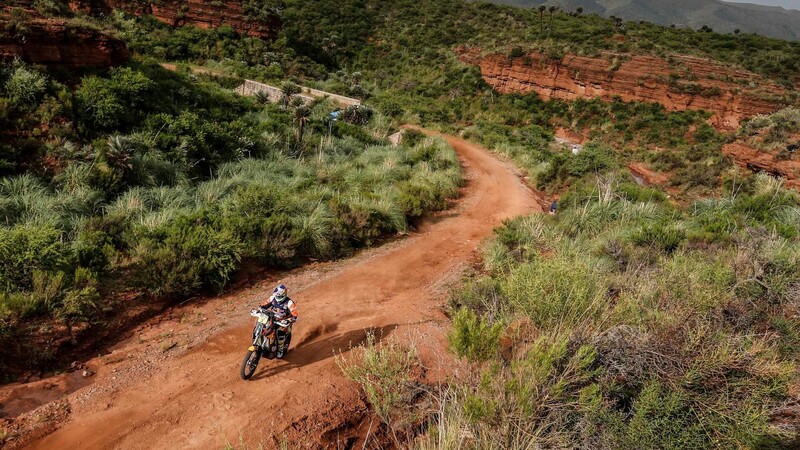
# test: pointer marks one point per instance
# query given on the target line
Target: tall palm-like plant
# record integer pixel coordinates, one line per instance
(289, 91)
(301, 113)
(552, 10)
(118, 152)
(542, 9)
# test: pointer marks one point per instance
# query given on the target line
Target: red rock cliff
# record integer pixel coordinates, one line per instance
(761, 161)
(199, 13)
(57, 43)
(680, 83)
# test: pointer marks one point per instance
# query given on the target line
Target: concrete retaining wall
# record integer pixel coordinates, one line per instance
(275, 94)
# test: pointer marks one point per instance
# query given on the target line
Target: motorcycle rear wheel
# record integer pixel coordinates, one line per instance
(249, 364)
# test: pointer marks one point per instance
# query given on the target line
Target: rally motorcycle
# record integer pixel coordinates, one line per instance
(265, 340)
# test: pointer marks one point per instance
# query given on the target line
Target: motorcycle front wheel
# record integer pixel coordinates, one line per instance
(249, 364)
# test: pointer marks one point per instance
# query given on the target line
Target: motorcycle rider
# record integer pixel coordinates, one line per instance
(284, 309)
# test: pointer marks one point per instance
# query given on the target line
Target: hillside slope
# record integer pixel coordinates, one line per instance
(722, 17)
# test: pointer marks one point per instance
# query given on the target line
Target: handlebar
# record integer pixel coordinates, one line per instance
(260, 312)
(257, 312)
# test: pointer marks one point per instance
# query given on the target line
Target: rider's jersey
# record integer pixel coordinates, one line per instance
(282, 309)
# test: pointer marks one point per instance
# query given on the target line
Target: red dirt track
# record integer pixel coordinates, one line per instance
(197, 400)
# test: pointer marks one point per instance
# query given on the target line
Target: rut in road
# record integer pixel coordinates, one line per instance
(198, 400)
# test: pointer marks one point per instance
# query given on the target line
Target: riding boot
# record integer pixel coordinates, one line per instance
(283, 344)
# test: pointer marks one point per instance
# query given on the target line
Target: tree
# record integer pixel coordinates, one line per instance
(542, 9)
(737, 31)
(301, 113)
(552, 10)
(579, 10)
(289, 90)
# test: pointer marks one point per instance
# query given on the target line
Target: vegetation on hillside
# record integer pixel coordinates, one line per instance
(144, 180)
(623, 322)
(399, 57)
(629, 323)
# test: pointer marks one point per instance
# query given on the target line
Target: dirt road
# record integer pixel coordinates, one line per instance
(196, 400)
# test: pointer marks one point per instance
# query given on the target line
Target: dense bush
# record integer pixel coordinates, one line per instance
(187, 256)
(771, 132)
(112, 103)
(665, 237)
(565, 167)
(358, 115)
(384, 370)
(26, 250)
(472, 337)
(25, 88)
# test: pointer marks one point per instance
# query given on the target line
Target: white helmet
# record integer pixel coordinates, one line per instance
(279, 293)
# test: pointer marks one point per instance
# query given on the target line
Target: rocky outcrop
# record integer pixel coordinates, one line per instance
(679, 82)
(176, 13)
(761, 161)
(58, 43)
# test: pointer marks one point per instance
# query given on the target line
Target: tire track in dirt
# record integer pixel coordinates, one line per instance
(197, 400)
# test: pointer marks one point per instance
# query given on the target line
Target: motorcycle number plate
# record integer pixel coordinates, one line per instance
(262, 320)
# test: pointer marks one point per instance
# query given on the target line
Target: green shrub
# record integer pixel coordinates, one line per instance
(101, 106)
(384, 371)
(313, 232)
(366, 219)
(187, 256)
(660, 418)
(634, 193)
(92, 249)
(416, 199)
(473, 337)
(664, 237)
(106, 104)
(27, 249)
(556, 292)
(591, 159)
(564, 168)
(357, 115)
(50, 8)
(81, 301)
(26, 88)
(278, 241)
(18, 305)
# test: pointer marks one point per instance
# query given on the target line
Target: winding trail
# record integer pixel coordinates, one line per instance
(196, 399)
